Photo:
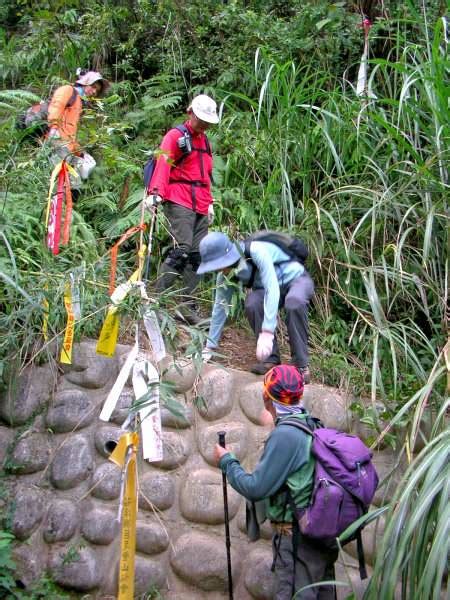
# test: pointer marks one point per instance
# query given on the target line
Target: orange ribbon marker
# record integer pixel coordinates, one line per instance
(115, 250)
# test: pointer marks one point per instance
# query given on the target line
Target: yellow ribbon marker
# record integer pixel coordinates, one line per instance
(107, 340)
(124, 456)
(66, 350)
(46, 306)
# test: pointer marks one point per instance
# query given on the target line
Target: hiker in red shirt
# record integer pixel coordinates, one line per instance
(182, 181)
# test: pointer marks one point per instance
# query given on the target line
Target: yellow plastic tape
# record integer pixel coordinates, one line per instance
(46, 306)
(53, 177)
(107, 341)
(66, 350)
(124, 455)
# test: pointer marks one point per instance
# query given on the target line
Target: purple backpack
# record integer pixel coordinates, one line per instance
(345, 481)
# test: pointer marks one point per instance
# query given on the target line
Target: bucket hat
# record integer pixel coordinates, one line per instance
(205, 109)
(217, 252)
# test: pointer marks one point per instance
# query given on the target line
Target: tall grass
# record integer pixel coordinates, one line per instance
(365, 183)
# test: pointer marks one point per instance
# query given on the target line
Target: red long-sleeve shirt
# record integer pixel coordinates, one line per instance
(171, 181)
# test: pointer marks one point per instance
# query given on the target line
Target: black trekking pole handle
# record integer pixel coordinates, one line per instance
(221, 435)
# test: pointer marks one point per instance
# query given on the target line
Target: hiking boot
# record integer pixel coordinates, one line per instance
(261, 368)
(189, 316)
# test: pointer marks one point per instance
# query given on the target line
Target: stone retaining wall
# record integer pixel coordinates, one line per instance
(63, 492)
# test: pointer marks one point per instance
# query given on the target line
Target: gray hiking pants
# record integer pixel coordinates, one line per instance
(188, 228)
(294, 297)
(314, 563)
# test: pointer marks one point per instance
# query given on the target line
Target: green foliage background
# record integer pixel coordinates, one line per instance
(363, 179)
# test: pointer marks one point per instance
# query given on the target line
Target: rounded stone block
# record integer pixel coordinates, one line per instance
(122, 408)
(61, 522)
(176, 450)
(371, 536)
(31, 453)
(27, 511)
(183, 418)
(151, 538)
(201, 498)
(149, 574)
(157, 490)
(29, 394)
(328, 405)
(75, 567)
(6, 437)
(30, 563)
(105, 438)
(390, 472)
(89, 369)
(180, 373)
(100, 526)
(71, 409)
(251, 402)
(73, 463)
(259, 580)
(106, 481)
(237, 440)
(215, 389)
(201, 560)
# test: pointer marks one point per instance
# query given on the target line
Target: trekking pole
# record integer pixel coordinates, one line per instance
(221, 435)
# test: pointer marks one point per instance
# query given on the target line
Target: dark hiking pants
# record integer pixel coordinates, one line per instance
(294, 297)
(314, 563)
(188, 228)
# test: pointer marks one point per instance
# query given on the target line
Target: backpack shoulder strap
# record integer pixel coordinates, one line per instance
(73, 97)
(183, 129)
(208, 145)
(298, 424)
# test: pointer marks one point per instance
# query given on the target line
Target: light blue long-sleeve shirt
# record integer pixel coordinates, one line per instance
(274, 268)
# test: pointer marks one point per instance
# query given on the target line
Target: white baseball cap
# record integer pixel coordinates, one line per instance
(205, 109)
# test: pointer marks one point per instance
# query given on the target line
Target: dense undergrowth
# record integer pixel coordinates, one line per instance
(363, 179)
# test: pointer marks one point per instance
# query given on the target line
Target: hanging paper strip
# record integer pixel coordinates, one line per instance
(146, 389)
(114, 251)
(124, 455)
(116, 390)
(66, 350)
(153, 330)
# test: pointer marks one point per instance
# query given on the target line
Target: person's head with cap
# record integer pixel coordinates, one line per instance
(283, 390)
(203, 113)
(93, 83)
(217, 253)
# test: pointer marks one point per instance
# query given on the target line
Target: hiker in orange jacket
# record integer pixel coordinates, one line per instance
(64, 114)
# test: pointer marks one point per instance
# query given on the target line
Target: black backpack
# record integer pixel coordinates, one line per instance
(34, 121)
(184, 143)
(293, 246)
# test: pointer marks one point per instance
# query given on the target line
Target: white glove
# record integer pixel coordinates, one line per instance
(264, 345)
(54, 133)
(207, 354)
(152, 200)
(210, 214)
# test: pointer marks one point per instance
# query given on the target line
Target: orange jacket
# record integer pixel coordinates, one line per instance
(65, 118)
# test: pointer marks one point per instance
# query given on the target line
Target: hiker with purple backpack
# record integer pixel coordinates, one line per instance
(301, 477)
